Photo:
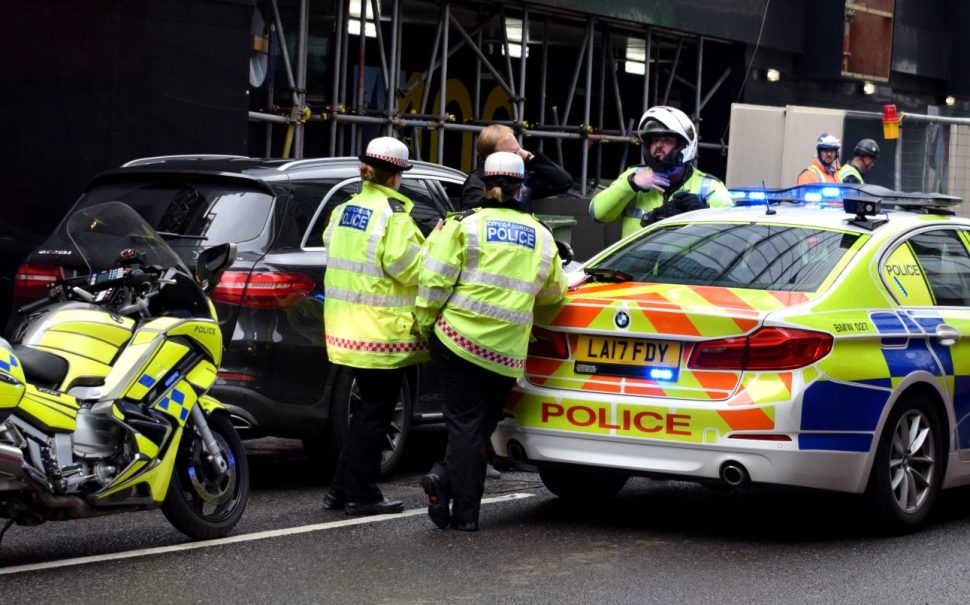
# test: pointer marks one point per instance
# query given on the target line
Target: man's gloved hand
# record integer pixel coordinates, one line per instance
(645, 179)
(681, 201)
(685, 202)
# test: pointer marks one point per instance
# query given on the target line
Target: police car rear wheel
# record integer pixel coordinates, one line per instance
(582, 484)
(908, 466)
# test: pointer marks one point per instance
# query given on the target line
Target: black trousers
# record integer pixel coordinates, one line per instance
(359, 465)
(473, 401)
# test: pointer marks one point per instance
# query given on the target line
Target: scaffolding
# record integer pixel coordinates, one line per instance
(591, 76)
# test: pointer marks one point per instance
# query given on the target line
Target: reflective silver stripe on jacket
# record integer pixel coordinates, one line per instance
(354, 266)
(373, 300)
(471, 225)
(548, 253)
(489, 310)
(402, 263)
(377, 234)
(550, 292)
(438, 295)
(502, 281)
(633, 211)
(441, 268)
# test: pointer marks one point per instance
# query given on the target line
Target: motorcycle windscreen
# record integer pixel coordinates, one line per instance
(103, 231)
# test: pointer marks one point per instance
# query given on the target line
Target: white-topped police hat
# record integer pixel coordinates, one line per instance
(387, 153)
(504, 163)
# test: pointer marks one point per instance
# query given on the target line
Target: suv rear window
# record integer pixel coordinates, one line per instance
(755, 256)
(211, 212)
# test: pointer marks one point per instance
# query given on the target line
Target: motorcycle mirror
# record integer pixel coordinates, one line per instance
(565, 252)
(211, 263)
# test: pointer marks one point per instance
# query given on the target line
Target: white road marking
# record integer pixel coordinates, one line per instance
(260, 535)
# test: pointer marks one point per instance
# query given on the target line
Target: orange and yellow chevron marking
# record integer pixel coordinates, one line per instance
(752, 419)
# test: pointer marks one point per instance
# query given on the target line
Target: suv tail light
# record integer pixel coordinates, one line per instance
(32, 281)
(262, 289)
(766, 349)
(548, 343)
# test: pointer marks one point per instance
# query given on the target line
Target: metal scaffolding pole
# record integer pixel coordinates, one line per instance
(446, 16)
(301, 76)
(584, 171)
(542, 80)
(391, 93)
(337, 68)
(524, 48)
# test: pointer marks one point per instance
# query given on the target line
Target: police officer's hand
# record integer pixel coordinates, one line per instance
(645, 179)
(684, 201)
(657, 214)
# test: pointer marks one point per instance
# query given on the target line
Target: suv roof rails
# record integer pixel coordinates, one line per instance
(309, 162)
(188, 156)
(837, 193)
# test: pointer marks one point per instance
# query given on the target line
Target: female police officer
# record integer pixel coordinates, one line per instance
(373, 260)
(483, 273)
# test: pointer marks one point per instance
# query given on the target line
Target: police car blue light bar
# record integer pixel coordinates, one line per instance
(834, 195)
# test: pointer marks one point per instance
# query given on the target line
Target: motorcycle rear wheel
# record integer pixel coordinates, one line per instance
(201, 503)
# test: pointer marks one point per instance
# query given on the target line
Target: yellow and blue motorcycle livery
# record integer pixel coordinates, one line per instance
(103, 404)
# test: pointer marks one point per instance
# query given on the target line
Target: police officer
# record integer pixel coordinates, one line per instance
(373, 261)
(825, 166)
(864, 158)
(483, 273)
(666, 183)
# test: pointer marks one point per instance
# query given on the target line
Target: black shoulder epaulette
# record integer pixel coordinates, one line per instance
(460, 216)
(396, 205)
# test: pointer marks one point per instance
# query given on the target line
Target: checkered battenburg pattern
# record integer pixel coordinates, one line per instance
(396, 161)
(369, 346)
(478, 350)
(517, 175)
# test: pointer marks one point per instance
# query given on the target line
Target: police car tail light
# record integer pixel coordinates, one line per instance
(548, 343)
(32, 281)
(766, 349)
(262, 289)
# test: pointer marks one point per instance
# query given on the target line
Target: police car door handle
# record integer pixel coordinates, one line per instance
(947, 335)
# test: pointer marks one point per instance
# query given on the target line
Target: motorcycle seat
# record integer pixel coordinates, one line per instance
(41, 368)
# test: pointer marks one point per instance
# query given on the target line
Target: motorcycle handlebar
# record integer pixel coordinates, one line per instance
(30, 307)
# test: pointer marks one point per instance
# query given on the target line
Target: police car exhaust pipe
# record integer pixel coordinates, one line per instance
(517, 452)
(734, 474)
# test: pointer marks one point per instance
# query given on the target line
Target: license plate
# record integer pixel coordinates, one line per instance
(628, 351)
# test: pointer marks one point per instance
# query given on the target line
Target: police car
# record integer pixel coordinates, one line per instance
(811, 336)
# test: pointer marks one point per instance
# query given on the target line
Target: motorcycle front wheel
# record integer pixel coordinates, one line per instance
(202, 503)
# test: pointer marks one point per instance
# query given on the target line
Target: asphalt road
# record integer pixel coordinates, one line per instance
(656, 542)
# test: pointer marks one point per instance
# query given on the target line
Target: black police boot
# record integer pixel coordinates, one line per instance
(334, 500)
(382, 507)
(438, 509)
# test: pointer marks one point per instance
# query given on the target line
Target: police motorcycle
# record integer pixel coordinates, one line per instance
(103, 405)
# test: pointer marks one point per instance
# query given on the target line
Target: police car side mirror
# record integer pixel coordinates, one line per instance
(565, 252)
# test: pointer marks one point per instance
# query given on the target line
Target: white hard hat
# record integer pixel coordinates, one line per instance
(664, 120)
(504, 163)
(387, 153)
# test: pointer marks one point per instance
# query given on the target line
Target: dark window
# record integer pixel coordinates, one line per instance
(762, 257)
(946, 266)
(425, 211)
(314, 238)
(305, 198)
(215, 212)
(453, 192)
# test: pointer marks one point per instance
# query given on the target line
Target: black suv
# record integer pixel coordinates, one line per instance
(275, 377)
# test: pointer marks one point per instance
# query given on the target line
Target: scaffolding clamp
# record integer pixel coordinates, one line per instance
(300, 115)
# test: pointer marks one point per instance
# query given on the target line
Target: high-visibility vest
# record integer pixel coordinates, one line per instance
(620, 199)
(816, 173)
(848, 170)
(483, 273)
(373, 261)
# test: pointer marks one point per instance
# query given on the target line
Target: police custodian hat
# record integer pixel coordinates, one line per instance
(387, 153)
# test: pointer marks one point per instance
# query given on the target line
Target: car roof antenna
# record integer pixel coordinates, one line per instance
(769, 211)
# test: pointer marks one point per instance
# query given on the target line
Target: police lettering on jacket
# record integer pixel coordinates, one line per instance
(511, 233)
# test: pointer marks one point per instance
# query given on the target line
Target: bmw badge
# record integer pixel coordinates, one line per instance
(621, 319)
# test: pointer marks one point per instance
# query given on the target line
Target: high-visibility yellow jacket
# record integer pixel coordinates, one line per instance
(621, 199)
(817, 173)
(850, 174)
(482, 275)
(373, 261)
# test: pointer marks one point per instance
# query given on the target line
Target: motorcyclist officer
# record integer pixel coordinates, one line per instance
(374, 256)
(864, 158)
(666, 183)
(484, 272)
(825, 165)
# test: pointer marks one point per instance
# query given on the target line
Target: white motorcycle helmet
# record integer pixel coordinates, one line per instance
(664, 120)
(828, 141)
